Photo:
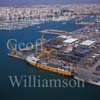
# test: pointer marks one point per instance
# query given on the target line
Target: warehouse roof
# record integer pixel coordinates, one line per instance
(63, 36)
(88, 42)
(70, 40)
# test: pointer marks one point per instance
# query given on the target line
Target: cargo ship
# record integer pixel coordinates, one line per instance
(35, 62)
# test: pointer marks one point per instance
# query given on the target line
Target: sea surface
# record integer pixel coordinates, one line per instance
(15, 67)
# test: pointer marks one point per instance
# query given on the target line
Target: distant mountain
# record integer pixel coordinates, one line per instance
(32, 2)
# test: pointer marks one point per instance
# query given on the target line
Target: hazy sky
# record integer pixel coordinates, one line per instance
(31, 2)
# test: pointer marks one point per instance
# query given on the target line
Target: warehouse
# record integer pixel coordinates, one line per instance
(88, 43)
(70, 41)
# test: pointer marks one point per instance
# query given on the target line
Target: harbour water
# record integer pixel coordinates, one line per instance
(15, 67)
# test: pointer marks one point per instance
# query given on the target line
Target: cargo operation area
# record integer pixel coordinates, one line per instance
(70, 54)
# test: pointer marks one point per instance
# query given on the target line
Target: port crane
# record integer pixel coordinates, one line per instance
(14, 51)
(44, 52)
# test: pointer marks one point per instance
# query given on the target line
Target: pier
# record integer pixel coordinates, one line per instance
(52, 31)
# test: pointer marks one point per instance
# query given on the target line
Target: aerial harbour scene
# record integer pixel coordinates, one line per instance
(49, 41)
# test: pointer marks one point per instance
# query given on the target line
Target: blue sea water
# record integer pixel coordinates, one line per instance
(12, 66)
